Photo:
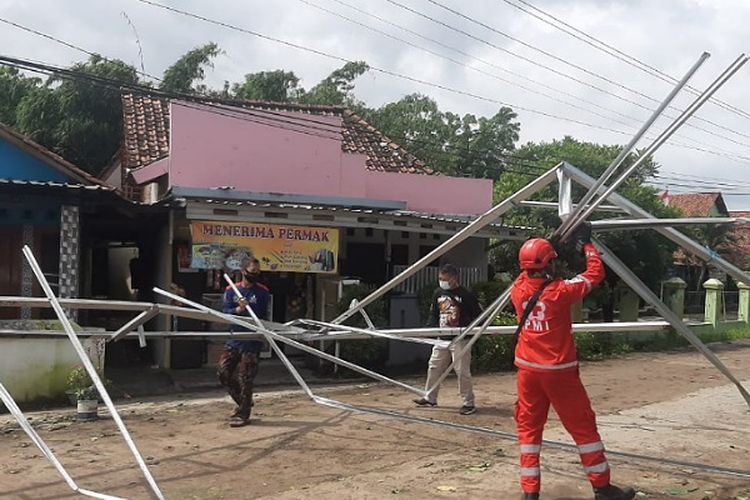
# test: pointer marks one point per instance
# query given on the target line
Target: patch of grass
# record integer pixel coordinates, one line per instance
(496, 353)
(593, 346)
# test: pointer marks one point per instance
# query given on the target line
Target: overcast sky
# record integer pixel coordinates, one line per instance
(668, 35)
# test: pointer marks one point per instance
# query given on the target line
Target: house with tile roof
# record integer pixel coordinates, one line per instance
(262, 179)
(41, 203)
(82, 232)
(740, 252)
(709, 204)
(705, 204)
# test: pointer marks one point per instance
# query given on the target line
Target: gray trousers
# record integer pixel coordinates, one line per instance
(439, 361)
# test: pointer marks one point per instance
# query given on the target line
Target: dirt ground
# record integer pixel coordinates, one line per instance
(670, 405)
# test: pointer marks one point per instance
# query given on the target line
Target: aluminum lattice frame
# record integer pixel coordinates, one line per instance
(564, 174)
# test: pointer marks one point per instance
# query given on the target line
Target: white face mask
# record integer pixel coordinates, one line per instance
(445, 285)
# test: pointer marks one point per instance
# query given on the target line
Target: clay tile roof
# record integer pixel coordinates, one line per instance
(696, 204)
(146, 130)
(740, 245)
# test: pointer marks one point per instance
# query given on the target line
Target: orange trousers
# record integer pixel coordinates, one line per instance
(564, 391)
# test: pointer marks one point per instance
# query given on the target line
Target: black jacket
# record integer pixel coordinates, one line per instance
(453, 308)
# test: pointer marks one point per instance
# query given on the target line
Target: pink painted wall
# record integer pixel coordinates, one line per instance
(209, 150)
(438, 194)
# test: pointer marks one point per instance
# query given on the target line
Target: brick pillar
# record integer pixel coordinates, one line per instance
(70, 243)
(713, 307)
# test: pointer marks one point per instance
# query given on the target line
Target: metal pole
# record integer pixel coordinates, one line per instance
(134, 323)
(14, 410)
(688, 244)
(512, 436)
(91, 370)
(641, 289)
(293, 343)
(564, 195)
(666, 134)
(624, 224)
(343, 334)
(485, 219)
(271, 341)
(373, 333)
(556, 206)
(569, 221)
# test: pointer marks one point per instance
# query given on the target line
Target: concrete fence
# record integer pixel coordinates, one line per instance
(712, 305)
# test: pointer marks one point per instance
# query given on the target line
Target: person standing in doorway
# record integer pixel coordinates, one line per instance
(238, 364)
(547, 363)
(453, 306)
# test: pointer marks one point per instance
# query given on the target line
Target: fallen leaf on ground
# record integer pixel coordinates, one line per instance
(675, 492)
(480, 468)
(447, 489)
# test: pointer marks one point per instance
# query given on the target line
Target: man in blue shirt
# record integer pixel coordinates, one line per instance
(238, 364)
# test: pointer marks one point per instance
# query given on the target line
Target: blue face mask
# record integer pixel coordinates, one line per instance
(445, 285)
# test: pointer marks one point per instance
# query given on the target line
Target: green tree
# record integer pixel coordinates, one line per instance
(185, 75)
(451, 144)
(337, 88)
(719, 238)
(276, 86)
(416, 122)
(14, 86)
(80, 121)
(645, 252)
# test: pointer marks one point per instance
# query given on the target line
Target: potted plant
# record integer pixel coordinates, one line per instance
(86, 396)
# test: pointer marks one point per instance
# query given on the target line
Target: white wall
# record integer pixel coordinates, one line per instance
(34, 368)
(119, 273)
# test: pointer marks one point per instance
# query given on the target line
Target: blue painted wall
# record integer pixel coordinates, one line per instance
(16, 164)
(41, 212)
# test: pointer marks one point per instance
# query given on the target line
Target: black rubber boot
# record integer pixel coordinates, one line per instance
(530, 496)
(612, 492)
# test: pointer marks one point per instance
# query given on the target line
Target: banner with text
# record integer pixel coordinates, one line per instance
(300, 249)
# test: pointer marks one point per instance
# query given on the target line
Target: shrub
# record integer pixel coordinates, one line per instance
(369, 353)
(495, 353)
(488, 291)
(424, 302)
(78, 378)
(81, 384)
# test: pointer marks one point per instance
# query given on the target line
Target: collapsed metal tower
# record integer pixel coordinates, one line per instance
(306, 329)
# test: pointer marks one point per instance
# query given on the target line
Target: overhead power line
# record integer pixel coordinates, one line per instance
(519, 164)
(614, 51)
(564, 61)
(259, 114)
(382, 70)
(301, 124)
(400, 75)
(69, 45)
(708, 148)
(465, 54)
(720, 152)
(460, 63)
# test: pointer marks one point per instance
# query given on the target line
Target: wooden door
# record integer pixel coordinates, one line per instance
(10, 267)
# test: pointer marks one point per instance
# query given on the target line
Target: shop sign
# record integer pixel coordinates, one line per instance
(223, 245)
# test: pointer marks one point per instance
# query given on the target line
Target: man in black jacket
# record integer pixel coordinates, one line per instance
(453, 306)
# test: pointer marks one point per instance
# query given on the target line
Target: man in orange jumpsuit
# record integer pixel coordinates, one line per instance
(547, 364)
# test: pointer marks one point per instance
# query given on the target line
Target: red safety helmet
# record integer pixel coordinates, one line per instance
(536, 253)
